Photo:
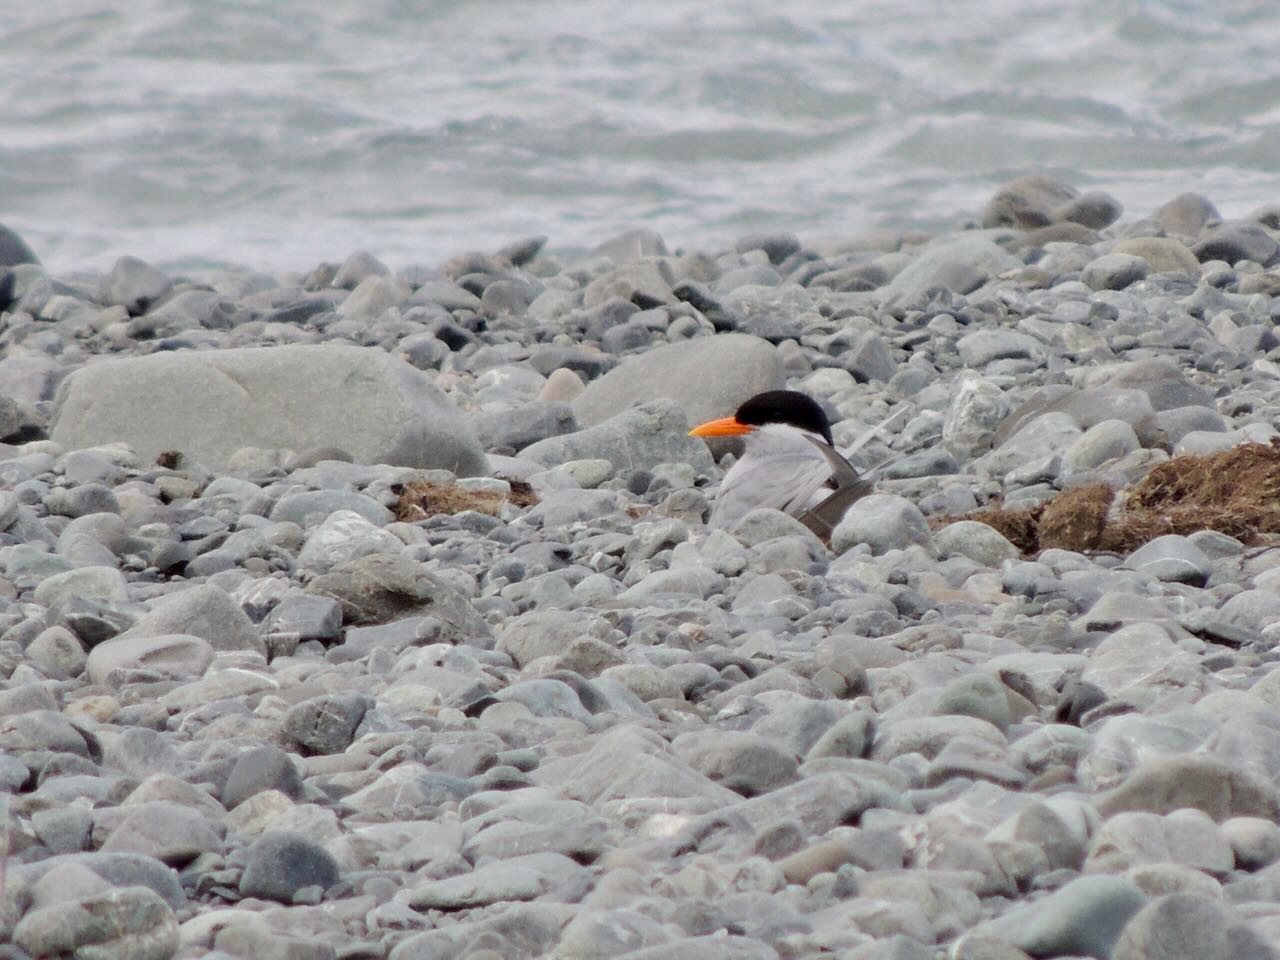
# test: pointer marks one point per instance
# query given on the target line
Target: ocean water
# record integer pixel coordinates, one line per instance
(279, 133)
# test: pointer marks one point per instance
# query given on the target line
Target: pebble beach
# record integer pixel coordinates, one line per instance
(359, 612)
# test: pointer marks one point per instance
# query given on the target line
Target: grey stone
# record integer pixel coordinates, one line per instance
(981, 347)
(797, 724)
(1087, 408)
(773, 313)
(646, 282)
(13, 249)
(1180, 421)
(57, 653)
(533, 876)
(708, 377)
(1189, 925)
(358, 266)
(632, 245)
(1101, 443)
(1220, 789)
(118, 869)
(929, 735)
(976, 695)
(653, 432)
(446, 294)
(545, 698)
(172, 833)
(746, 763)
(626, 762)
(1140, 655)
(1254, 609)
(1186, 214)
(1083, 918)
(1236, 240)
(1160, 379)
(884, 522)
(1037, 439)
(208, 404)
(935, 266)
(600, 934)
(42, 730)
(977, 541)
(764, 524)
(518, 427)
(126, 922)
(325, 724)
(751, 276)
(281, 863)
(381, 588)
(977, 408)
(1255, 842)
(371, 298)
(1028, 202)
(311, 618)
(203, 611)
(1163, 254)
(1172, 558)
(869, 359)
(545, 633)
(1115, 271)
(1134, 839)
(717, 947)
(177, 656)
(778, 246)
(259, 769)
(1094, 209)
(345, 536)
(304, 508)
(848, 737)
(20, 422)
(263, 943)
(64, 830)
(135, 285)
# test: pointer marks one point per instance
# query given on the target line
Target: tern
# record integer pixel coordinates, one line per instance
(789, 463)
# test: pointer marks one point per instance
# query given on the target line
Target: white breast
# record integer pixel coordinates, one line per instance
(780, 468)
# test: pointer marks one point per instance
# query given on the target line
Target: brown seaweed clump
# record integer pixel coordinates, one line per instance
(1236, 492)
(421, 499)
(1076, 519)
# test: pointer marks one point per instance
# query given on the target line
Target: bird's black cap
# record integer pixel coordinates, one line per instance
(786, 406)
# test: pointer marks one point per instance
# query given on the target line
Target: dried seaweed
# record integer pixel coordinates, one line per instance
(1236, 492)
(421, 499)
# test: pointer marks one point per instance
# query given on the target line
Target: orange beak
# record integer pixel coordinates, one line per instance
(724, 427)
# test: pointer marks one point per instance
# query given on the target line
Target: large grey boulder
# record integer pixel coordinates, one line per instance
(208, 404)
(708, 377)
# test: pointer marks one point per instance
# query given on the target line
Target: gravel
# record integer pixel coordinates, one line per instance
(259, 698)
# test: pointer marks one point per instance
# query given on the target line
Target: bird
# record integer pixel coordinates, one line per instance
(789, 462)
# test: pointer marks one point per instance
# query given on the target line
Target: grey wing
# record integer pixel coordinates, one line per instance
(791, 483)
(849, 487)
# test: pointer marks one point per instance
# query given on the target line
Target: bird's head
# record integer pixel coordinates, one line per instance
(785, 407)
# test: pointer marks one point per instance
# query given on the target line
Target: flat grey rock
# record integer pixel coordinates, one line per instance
(203, 611)
(1190, 925)
(529, 877)
(1084, 918)
(125, 922)
(210, 404)
(178, 656)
